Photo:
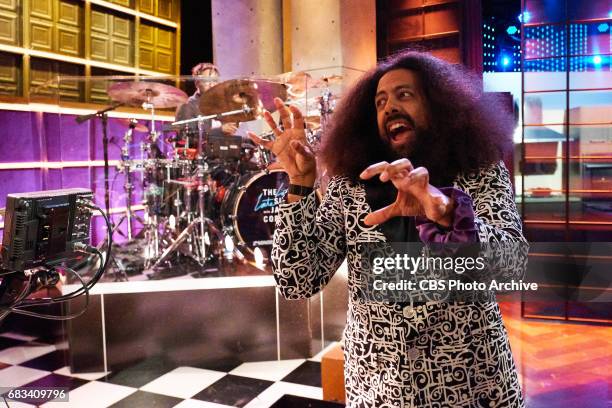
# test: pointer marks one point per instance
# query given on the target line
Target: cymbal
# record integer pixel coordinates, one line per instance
(136, 93)
(234, 94)
(297, 82)
(312, 122)
(139, 127)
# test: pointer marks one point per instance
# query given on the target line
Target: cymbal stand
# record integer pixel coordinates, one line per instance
(128, 187)
(152, 190)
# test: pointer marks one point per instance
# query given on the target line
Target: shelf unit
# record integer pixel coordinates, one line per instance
(41, 39)
(566, 160)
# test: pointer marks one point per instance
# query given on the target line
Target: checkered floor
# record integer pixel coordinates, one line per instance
(33, 362)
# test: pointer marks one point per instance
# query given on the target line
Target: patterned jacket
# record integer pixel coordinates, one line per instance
(433, 355)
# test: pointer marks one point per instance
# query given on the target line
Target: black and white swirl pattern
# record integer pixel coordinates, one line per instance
(434, 354)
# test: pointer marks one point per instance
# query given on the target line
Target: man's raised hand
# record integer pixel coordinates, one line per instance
(290, 146)
(415, 196)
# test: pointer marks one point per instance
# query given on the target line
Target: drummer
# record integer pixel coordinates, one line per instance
(191, 109)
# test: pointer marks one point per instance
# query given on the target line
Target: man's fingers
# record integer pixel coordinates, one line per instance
(416, 178)
(284, 113)
(419, 174)
(298, 118)
(382, 215)
(272, 123)
(373, 170)
(398, 168)
(259, 141)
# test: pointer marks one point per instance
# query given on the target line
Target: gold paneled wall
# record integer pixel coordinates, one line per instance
(40, 39)
(9, 22)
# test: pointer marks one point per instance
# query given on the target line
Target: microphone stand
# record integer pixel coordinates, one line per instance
(103, 115)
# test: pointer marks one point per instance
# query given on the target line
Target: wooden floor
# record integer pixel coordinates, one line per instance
(561, 364)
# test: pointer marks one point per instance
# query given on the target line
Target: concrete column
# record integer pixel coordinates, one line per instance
(247, 37)
(333, 36)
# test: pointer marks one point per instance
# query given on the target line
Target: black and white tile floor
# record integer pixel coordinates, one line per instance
(31, 362)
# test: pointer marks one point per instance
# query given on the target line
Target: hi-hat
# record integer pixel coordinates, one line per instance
(139, 127)
(235, 94)
(139, 92)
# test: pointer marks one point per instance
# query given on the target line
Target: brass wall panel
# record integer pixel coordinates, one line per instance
(56, 26)
(121, 53)
(99, 47)
(10, 74)
(146, 34)
(44, 70)
(163, 61)
(9, 22)
(164, 50)
(156, 48)
(97, 91)
(147, 6)
(99, 21)
(8, 4)
(121, 27)
(146, 58)
(41, 35)
(68, 13)
(42, 9)
(165, 9)
(111, 37)
(68, 40)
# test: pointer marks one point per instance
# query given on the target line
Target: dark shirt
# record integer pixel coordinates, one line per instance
(190, 110)
(397, 229)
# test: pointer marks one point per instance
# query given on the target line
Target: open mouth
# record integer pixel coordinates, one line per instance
(399, 129)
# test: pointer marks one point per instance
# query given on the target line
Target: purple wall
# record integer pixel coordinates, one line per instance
(52, 137)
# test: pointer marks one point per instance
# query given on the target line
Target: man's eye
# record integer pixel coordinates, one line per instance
(406, 94)
(380, 102)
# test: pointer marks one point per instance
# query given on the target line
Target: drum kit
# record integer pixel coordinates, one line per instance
(212, 199)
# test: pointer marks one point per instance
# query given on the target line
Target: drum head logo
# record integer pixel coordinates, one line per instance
(268, 199)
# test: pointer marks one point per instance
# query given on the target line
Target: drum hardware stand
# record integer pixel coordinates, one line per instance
(151, 209)
(103, 115)
(128, 187)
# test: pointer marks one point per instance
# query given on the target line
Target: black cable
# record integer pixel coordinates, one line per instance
(18, 309)
(5, 311)
(78, 292)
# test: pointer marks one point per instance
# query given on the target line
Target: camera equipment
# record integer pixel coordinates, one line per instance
(43, 227)
(43, 230)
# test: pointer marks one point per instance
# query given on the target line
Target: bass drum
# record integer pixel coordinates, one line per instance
(251, 207)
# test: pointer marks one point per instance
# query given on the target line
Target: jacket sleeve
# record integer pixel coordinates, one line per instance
(309, 242)
(499, 225)
(496, 216)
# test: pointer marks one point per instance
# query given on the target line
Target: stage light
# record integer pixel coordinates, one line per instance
(259, 258)
(506, 61)
(229, 243)
(512, 30)
(597, 60)
(603, 27)
(524, 17)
